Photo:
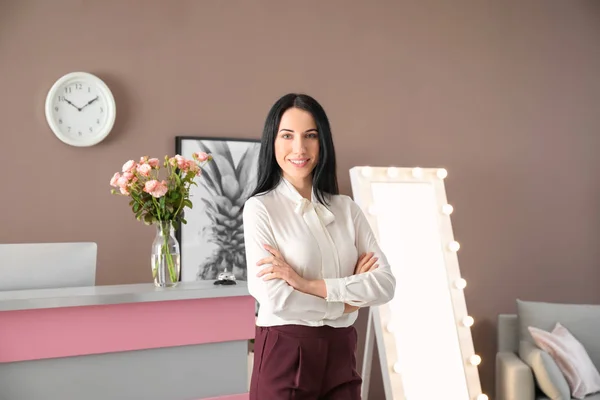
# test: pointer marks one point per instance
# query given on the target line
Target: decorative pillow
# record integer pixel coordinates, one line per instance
(548, 376)
(571, 357)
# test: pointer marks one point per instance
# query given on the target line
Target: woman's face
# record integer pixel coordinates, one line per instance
(297, 146)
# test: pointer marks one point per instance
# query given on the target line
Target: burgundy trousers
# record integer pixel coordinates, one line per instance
(295, 362)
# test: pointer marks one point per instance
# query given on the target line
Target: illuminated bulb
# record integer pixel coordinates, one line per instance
(441, 173)
(468, 321)
(390, 327)
(392, 172)
(482, 397)
(417, 172)
(367, 171)
(447, 209)
(397, 368)
(475, 359)
(373, 210)
(460, 284)
(454, 246)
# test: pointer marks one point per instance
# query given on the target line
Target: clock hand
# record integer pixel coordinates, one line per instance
(89, 102)
(67, 100)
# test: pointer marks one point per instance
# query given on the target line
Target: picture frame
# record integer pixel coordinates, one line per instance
(212, 238)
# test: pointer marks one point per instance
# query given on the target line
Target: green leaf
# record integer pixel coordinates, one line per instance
(188, 203)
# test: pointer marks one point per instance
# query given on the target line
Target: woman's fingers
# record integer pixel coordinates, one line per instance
(272, 250)
(267, 260)
(367, 266)
(361, 260)
(265, 271)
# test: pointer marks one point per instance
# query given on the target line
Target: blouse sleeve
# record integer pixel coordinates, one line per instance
(370, 288)
(282, 299)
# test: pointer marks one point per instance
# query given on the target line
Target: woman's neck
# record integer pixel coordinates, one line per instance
(303, 186)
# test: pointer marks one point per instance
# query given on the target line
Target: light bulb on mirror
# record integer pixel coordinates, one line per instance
(482, 397)
(392, 172)
(397, 368)
(454, 246)
(373, 209)
(475, 360)
(460, 283)
(447, 209)
(390, 327)
(442, 173)
(417, 172)
(367, 171)
(468, 321)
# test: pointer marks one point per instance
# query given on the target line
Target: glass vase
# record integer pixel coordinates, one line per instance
(166, 260)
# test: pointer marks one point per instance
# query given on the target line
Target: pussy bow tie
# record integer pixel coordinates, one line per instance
(323, 213)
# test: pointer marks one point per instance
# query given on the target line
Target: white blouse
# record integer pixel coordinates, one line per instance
(319, 243)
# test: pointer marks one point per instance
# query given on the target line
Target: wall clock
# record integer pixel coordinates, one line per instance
(80, 109)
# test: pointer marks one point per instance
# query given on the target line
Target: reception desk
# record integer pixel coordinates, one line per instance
(127, 342)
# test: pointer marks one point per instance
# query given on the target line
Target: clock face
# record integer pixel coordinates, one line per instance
(80, 109)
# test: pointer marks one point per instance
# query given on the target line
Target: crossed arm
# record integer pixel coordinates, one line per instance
(273, 282)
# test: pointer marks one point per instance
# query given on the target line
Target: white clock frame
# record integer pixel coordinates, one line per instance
(103, 91)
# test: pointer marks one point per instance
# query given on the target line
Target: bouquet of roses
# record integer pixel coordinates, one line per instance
(155, 198)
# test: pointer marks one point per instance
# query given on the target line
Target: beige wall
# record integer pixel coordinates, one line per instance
(503, 94)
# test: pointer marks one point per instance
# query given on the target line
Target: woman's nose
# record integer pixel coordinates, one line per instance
(299, 145)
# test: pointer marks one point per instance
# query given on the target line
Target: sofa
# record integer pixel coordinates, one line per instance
(526, 372)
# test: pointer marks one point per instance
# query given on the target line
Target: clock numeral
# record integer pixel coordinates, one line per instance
(56, 109)
(98, 121)
(89, 89)
(101, 109)
(61, 99)
(91, 130)
(80, 133)
(60, 121)
(78, 86)
(68, 90)
(69, 129)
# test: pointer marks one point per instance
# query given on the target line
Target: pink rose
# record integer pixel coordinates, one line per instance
(153, 162)
(122, 182)
(124, 190)
(201, 156)
(160, 190)
(181, 163)
(114, 179)
(191, 166)
(150, 186)
(128, 175)
(155, 188)
(144, 169)
(129, 166)
(176, 161)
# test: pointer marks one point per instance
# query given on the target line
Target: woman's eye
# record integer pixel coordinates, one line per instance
(312, 135)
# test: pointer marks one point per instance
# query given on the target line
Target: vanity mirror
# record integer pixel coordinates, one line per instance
(423, 335)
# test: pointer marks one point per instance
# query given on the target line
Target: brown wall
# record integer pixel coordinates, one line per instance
(503, 94)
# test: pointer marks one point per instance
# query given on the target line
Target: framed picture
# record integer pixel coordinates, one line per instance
(212, 241)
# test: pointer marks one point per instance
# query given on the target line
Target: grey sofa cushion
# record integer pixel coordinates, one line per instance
(548, 376)
(582, 320)
(591, 397)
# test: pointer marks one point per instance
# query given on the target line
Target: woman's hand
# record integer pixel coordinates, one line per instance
(366, 263)
(280, 269)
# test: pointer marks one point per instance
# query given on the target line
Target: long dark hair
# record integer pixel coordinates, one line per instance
(324, 174)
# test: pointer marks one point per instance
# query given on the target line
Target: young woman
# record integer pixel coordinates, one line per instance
(312, 262)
